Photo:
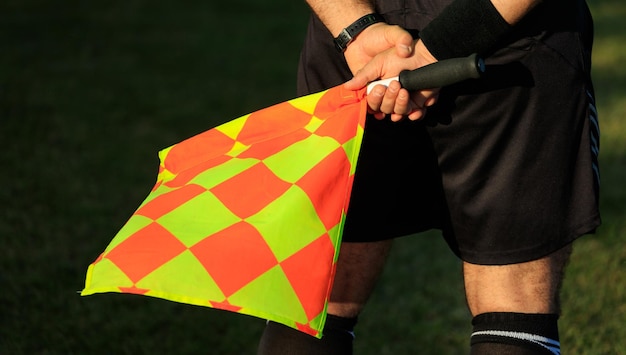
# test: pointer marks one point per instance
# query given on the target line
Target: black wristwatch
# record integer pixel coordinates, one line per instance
(347, 34)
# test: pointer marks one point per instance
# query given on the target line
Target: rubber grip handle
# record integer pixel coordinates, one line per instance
(442, 73)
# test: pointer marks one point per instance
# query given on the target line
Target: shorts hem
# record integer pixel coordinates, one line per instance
(529, 254)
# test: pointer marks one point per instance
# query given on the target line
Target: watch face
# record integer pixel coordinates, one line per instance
(342, 41)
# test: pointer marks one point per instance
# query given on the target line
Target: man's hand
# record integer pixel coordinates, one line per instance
(375, 39)
(394, 100)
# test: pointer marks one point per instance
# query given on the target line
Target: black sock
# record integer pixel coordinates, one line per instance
(279, 339)
(515, 334)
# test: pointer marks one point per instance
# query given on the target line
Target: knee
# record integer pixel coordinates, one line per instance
(530, 287)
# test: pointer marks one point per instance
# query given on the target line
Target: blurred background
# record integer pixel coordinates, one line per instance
(91, 91)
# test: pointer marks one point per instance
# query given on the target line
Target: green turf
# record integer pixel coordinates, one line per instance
(594, 297)
(91, 90)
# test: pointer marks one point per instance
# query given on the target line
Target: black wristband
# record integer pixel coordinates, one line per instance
(465, 27)
(347, 34)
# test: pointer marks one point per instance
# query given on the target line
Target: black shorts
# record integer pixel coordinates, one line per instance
(506, 166)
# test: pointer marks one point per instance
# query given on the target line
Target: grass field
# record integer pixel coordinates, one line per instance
(90, 91)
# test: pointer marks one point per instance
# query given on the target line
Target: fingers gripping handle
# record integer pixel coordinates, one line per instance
(439, 74)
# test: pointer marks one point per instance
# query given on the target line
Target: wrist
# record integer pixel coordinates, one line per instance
(422, 51)
(347, 35)
(337, 15)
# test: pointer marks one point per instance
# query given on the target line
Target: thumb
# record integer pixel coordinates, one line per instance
(363, 77)
(401, 39)
(357, 82)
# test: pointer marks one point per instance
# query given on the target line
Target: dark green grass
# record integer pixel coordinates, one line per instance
(90, 91)
(594, 295)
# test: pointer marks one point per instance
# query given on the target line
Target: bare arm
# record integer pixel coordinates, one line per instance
(514, 11)
(339, 14)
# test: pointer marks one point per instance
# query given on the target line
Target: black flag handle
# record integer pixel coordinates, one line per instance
(438, 74)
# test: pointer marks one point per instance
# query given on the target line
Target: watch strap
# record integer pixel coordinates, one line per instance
(347, 34)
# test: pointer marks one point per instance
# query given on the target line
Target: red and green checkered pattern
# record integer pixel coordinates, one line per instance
(247, 216)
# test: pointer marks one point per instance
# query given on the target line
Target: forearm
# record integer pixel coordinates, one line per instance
(513, 11)
(339, 14)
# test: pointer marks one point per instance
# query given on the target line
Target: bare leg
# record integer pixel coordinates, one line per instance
(358, 269)
(516, 307)
(531, 287)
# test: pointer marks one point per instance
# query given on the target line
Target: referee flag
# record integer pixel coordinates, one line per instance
(247, 216)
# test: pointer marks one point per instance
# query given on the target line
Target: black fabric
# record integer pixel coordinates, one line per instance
(401, 181)
(463, 28)
(516, 157)
(515, 334)
(337, 339)
(534, 323)
(340, 324)
(503, 165)
(505, 349)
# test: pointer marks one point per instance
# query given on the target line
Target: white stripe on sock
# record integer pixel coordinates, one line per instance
(552, 345)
